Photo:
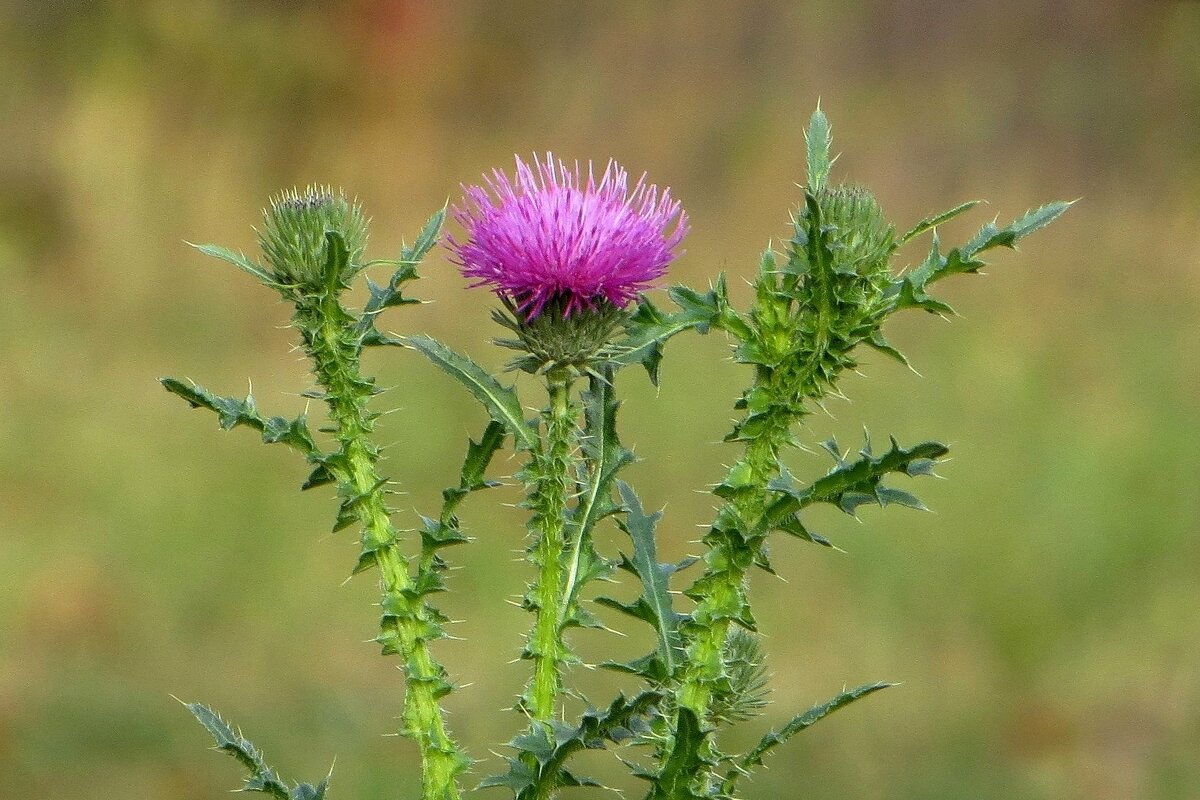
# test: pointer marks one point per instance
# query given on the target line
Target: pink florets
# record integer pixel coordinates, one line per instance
(556, 235)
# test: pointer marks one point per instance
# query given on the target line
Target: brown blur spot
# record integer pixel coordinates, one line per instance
(70, 606)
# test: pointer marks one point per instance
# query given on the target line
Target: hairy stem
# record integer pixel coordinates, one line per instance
(407, 624)
(720, 595)
(551, 486)
(734, 541)
(720, 592)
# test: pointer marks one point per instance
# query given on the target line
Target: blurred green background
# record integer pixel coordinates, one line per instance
(1045, 622)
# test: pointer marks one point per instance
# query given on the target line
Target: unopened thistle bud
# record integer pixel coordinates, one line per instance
(296, 245)
(861, 239)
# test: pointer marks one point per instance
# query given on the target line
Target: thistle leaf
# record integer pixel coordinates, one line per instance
(391, 294)
(501, 402)
(444, 531)
(654, 605)
(386, 296)
(937, 219)
(818, 140)
(877, 341)
(649, 328)
(232, 412)
(909, 291)
(603, 458)
(262, 777)
(990, 236)
(473, 475)
(307, 791)
(684, 762)
(238, 260)
(603, 452)
(851, 484)
(406, 268)
(798, 723)
(337, 260)
(413, 254)
(549, 746)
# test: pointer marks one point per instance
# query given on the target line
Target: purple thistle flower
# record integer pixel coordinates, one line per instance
(552, 236)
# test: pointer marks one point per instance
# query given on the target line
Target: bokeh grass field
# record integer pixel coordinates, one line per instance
(1045, 621)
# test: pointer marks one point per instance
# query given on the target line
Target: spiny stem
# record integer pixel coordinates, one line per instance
(551, 488)
(720, 595)
(408, 623)
(735, 539)
(724, 574)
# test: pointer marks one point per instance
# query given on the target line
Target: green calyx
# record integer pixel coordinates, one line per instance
(579, 342)
(313, 240)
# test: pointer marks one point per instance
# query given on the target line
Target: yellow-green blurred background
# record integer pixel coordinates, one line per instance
(1045, 622)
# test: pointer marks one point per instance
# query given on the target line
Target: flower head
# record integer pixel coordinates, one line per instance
(295, 237)
(554, 236)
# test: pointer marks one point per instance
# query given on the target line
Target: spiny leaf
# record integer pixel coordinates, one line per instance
(550, 745)
(238, 260)
(798, 723)
(262, 777)
(307, 791)
(818, 140)
(792, 524)
(602, 448)
(990, 236)
(501, 402)
(909, 291)
(391, 294)
(878, 342)
(444, 531)
(937, 219)
(654, 606)
(473, 475)
(426, 239)
(232, 412)
(649, 328)
(850, 484)
(684, 762)
(337, 260)
(518, 778)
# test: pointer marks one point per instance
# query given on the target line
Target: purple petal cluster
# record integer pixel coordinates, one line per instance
(555, 235)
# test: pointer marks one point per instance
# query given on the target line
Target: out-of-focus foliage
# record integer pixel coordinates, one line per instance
(1042, 623)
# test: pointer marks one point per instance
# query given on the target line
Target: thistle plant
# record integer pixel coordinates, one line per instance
(569, 256)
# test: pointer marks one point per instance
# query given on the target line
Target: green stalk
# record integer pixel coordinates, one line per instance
(408, 624)
(551, 486)
(720, 593)
(785, 383)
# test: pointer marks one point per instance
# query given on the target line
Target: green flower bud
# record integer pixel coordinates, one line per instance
(861, 240)
(295, 244)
